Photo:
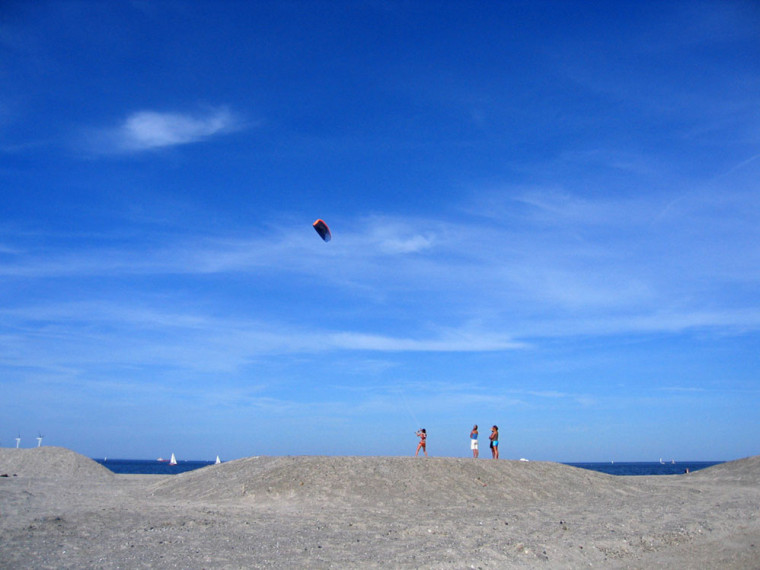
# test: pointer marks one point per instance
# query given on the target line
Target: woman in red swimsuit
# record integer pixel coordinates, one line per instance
(422, 434)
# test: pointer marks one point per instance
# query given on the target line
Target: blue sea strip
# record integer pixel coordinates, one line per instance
(154, 467)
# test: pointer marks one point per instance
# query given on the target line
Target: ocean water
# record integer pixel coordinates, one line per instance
(154, 467)
(646, 468)
(151, 466)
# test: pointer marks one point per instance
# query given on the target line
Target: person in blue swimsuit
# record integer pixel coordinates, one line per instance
(474, 441)
(494, 437)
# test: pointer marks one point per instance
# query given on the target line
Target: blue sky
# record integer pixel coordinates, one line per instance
(545, 216)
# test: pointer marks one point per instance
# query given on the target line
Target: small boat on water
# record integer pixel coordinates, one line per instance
(218, 461)
(173, 460)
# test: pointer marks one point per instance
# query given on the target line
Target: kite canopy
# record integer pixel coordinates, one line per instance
(322, 230)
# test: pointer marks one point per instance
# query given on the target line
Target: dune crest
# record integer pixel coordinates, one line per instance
(743, 471)
(388, 480)
(50, 462)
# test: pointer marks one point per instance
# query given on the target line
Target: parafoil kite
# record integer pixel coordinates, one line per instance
(322, 230)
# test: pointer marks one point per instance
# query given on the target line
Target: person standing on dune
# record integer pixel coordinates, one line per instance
(422, 434)
(494, 437)
(474, 441)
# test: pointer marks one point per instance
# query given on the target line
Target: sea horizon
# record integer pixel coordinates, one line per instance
(161, 466)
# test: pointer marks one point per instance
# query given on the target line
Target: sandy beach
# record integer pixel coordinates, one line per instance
(59, 509)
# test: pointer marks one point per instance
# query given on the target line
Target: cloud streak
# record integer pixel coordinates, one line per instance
(149, 130)
(550, 272)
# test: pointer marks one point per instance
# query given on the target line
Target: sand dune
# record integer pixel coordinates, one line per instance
(373, 480)
(63, 510)
(742, 471)
(55, 462)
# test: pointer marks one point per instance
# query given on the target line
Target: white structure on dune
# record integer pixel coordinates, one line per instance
(39, 440)
(18, 441)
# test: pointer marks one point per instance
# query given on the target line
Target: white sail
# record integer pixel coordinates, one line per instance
(218, 461)
(173, 460)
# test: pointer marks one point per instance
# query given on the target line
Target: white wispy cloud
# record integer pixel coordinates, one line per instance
(67, 336)
(457, 342)
(686, 389)
(477, 284)
(148, 130)
(397, 236)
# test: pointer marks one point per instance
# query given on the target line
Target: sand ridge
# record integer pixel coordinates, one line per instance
(742, 471)
(363, 480)
(61, 511)
(50, 462)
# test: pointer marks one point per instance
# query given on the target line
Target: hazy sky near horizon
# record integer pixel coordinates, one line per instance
(545, 215)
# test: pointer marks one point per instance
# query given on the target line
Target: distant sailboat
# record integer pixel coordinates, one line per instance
(218, 461)
(173, 460)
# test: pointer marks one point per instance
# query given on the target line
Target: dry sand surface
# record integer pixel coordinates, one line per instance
(59, 509)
